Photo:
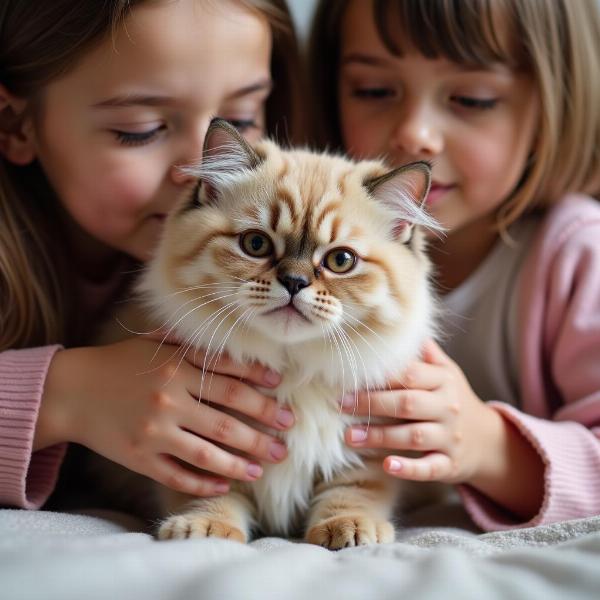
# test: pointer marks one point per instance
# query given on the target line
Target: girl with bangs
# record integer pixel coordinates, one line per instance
(101, 104)
(502, 98)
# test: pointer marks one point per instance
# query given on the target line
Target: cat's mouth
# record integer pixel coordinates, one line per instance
(288, 312)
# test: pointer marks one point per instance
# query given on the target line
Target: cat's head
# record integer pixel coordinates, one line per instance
(292, 246)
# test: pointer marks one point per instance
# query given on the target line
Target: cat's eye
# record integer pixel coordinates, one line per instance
(340, 260)
(256, 243)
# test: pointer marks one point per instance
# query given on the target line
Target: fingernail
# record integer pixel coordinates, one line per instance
(221, 487)
(277, 450)
(272, 377)
(285, 417)
(358, 435)
(348, 400)
(254, 470)
(394, 465)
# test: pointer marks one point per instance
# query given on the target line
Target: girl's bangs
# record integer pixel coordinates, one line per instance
(469, 32)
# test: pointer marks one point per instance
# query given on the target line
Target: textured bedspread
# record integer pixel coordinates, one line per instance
(61, 556)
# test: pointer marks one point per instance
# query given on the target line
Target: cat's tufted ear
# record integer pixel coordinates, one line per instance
(226, 155)
(404, 190)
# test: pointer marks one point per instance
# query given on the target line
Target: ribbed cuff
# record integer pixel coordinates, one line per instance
(571, 455)
(26, 478)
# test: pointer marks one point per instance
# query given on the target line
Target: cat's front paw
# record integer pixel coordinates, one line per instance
(350, 530)
(180, 527)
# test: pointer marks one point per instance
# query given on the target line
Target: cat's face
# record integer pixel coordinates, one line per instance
(296, 245)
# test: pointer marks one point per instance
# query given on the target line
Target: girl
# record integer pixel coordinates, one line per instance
(98, 110)
(502, 98)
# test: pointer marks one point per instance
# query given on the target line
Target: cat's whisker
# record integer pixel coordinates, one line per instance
(375, 351)
(341, 358)
(216, 284)
(172, 327)
(232, 288)
(350, 356)
(200, 330)
(222, 346)
(351, 344)
(181, 348)
(207, 355)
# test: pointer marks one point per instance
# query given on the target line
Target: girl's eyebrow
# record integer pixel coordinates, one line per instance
(365, 59)
(129, 100)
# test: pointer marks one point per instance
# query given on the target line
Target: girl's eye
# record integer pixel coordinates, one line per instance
(340, 260)
(477, 103)
(257, 244)
(138, 138)
(243, 125)
(373, 93)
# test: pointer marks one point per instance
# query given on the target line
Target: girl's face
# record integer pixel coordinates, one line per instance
(115, 129)
(476, 126)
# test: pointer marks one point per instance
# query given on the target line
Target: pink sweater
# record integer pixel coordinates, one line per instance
(560, 367)
(560, 382)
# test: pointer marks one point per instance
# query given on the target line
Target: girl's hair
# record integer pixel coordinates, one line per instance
(556, 41)
(40, 41)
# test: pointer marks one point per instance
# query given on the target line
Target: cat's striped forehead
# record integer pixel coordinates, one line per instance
(312, 198)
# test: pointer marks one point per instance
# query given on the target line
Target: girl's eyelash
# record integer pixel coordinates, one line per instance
(372, 93)
(477, 103)
(242, 124)
(130, 138)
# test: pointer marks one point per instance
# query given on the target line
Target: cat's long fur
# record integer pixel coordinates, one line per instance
(359, 327)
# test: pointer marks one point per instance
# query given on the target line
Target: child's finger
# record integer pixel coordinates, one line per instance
(239, 396)
(225, 365)
(432, 467)
(419, 375)
(433, 354)
(412, 436)
(225, 429)
(399, 404)
(202, 454)
(176, 477)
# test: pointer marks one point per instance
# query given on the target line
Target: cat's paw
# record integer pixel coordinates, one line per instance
(180, 527)
(350, 530)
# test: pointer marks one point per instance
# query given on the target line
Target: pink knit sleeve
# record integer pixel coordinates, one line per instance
(560, 362)
(26, 478)
(571, 455)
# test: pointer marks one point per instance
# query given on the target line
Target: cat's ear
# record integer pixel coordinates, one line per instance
(404, 190)
(226, 154)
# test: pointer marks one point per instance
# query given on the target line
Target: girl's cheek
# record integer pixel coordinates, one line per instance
(133, 187)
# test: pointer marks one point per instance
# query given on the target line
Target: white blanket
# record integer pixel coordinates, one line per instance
(47, 556)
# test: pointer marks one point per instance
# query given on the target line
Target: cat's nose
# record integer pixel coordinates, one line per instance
(293, 283)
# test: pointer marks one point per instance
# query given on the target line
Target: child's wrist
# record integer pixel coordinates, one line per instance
(511, 471)
(55, 419)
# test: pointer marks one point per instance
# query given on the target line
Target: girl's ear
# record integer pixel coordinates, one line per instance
(16, 129)
(225, 155)
(404, 190)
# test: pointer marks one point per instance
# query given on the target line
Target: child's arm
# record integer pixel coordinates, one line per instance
(135, 402)
(522, 470)
(26, 478)
(119, 401)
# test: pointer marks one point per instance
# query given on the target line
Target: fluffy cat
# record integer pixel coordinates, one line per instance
(315, 266)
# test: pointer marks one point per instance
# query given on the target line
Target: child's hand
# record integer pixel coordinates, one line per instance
(453, 428)
(141, 411)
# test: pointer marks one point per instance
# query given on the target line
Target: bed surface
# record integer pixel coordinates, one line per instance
(106, 556)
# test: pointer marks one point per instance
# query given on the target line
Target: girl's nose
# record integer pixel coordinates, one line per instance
(417, 135)
(190, 155)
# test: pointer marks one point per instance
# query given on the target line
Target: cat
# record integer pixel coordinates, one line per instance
(315, 266)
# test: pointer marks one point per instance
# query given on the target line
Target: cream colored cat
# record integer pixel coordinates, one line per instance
(315, 267)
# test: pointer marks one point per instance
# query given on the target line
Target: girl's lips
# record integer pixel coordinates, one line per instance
(436, 191)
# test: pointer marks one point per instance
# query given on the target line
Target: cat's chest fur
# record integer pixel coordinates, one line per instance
(316, 450)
